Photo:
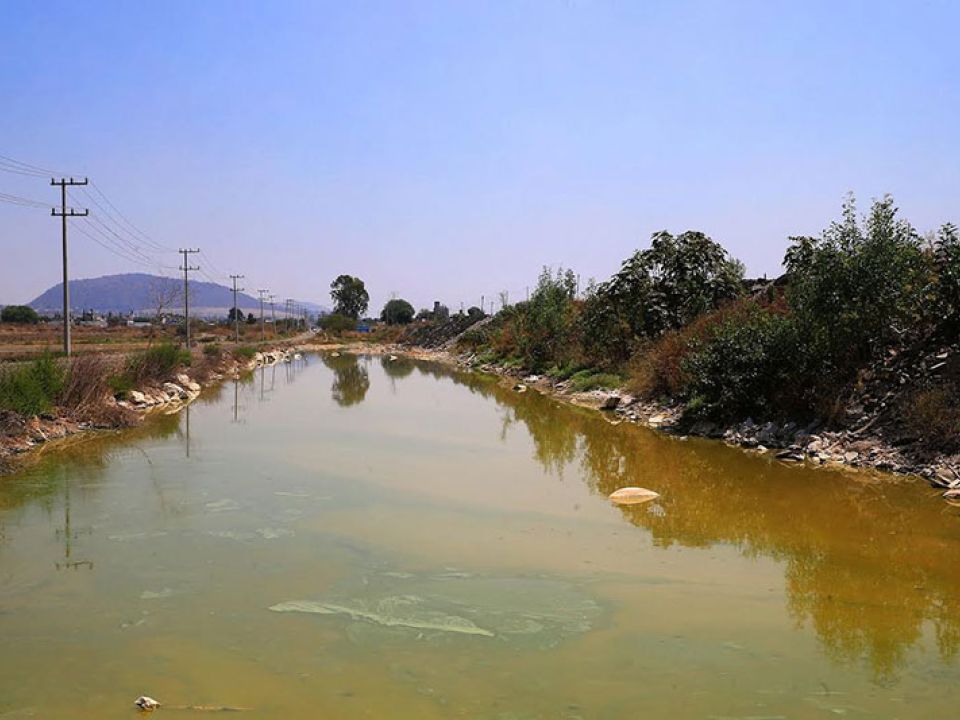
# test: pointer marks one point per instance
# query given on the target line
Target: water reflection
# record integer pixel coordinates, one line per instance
(867, 563)
(351, 379)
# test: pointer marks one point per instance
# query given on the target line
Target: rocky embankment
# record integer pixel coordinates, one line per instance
(20, 434)
(871, 435)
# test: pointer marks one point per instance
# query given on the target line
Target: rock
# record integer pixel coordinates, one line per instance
(174, 391)
(659, 419)
(137, 397)
(790, 456)
(850, 456)
(520, 387)
(633, 496)
(704, 428)
(146, 703)
(610, 402)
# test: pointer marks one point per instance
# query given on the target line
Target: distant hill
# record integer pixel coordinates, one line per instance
(136, 292)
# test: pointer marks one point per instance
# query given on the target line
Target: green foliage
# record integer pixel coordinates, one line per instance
(397, 312)
(586, 380)
(475, 312)
(947, 262)
(350, 296)
(33, 388)
(750, 364)
(662, 288)
(235, 314)
(21, 314)
(213, 350)
(245, 351)
(337, 323)
(153, 364)
(858, 288)
(251, 320)
(543, 327)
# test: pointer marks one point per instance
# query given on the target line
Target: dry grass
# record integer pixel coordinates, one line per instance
(933, 414)
(88, 382)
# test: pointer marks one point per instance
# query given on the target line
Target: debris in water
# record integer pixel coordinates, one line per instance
(633, 496)
(146, 703)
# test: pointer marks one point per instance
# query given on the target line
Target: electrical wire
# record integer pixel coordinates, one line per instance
(23, 202)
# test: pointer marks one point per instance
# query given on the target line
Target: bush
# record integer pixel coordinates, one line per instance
(933, 414)
(87, 382)
(542, 329)
(245, 351)
(21, 314)
(337, 323)
(153, 364)
(947, 262)
(213, 350)
(750, 364)
(32, 388)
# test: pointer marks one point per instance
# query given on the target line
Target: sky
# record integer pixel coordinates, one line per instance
(450, 150)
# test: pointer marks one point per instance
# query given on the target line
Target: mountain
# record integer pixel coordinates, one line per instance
(139, 293)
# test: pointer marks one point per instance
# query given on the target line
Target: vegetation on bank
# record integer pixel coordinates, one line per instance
(81, 384)
(678, 321)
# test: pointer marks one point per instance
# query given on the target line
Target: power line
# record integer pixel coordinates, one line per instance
(146, 238)
(22, 201)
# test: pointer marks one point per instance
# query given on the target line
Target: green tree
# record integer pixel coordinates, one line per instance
(663, 288)
(859, 286)
(349, 295)
(397, 312)
(544, 324)
(22, 314)
(235, 313)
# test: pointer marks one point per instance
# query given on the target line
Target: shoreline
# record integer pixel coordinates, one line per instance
(38, 433)
(789, 443)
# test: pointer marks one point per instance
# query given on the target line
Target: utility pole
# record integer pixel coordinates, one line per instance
(186, 252)
(236, 310)
(273, 315)
(63, 213)
(262, 294)
(483, 308)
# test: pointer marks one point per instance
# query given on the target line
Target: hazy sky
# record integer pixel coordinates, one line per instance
(447, 150)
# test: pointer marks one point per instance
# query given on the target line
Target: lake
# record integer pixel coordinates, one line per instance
(350, 537)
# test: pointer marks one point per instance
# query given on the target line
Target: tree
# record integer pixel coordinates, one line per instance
(163, 294)
(251, 320)
(397, 312)
(663, 288)
(234, 314)
(21, 314)
(349, 295)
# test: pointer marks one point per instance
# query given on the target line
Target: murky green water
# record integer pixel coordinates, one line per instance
(353, 538)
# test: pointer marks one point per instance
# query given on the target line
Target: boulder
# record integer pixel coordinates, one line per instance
(175, 392)
(610, 402)
(137, 397)
(633, 496)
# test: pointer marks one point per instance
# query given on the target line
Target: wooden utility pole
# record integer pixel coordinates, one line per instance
(236, 310)
(63, 213)
(262, 294)
(273, 314)
(186, 267)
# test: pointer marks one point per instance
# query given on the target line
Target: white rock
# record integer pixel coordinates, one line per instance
(145, 702)
(633, 496)
(137, 397)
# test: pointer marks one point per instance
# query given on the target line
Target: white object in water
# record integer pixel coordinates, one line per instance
(146, 703)
(633, 496)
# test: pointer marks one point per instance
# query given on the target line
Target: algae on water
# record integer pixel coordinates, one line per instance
(533, 610)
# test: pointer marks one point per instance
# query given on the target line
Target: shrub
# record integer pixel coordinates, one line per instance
(213, 350)
(542, 328)
(22, 314)
(933, 414)
(947, 262)
(245, 351)
(750, 364)
(32, 388)
(155, 363)
(337, 323)
(87, 382)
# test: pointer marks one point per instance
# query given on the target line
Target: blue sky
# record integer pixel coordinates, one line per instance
(447, 150)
